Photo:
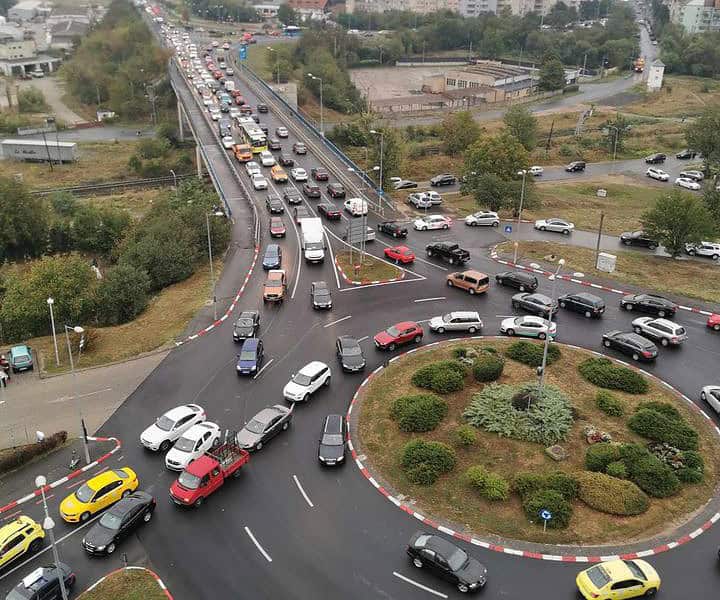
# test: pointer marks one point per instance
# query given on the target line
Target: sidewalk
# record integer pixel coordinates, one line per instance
(30, 404)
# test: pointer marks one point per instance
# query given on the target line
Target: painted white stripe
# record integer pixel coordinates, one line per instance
(302, 491)
(554, 557)
(265, 366)
(446, 531)
(257, 544)
(331, 323)
(582, 559)
(363, 338)
(645, 553)
(429, 299)
(513, 552)
(419, 585)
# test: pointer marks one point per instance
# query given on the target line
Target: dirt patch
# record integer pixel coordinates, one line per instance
(679, 97)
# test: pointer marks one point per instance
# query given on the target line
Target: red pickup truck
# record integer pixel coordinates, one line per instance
(206, 474)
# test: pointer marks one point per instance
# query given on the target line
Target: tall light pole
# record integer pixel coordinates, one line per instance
(80, 330)
(210, 257)
(322, 124)
(541, 385)
(382, 152)
(277, 62)
(50, 302)
(517, 226)
(177, 193)
(49, 525)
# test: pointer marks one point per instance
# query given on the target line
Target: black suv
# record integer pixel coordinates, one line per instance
(246, 325)
(349, 353)
(517, 279)
(575, 166)
(286, 161)
(336, 190)
(43, 584)
(331, 450)
(632, 344)
(686, 154)
(392, 228)
(262, 108)
(292, 196)
(649, 303)
(274, 205)
(444, 179)
(655, 159)
(583, 303)
(638, 238)
(272, 258)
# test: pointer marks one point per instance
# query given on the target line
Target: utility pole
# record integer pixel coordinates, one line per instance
(599, 236)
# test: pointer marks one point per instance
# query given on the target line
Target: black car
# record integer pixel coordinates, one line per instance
(274, 204)
(333, 441)
(320, 294)
(405, 184)
(262, 108)
(638, 238)
(538, 304)
(311, 190)
(224, 107)
(263, 128)
(329, 211)
(336, 190)
(349, 354)
(583, 303)
(119, 522)
(687, 154)
(272, 258)
(444, 179)
(299, 148)
(292, 196)
(632, 344)
(518, 280)
(447, 561)
(649, 303)
(43, 584)
(655, 159)
(576, 166)
(319, 174)
(255, 118)
(246, 325)
(393, 228)
(274, 144)
(301, 212)
(286, 161)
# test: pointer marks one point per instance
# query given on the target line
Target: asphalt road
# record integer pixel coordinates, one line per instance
(288, 528)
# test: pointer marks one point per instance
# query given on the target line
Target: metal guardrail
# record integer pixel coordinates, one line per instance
(112, 186)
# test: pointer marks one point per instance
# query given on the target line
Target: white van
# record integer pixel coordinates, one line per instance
(357, 207)
(229, 86)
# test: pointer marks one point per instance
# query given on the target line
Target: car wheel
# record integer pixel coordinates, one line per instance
(125, 494)
(606, 343)
(472, 329)
(650, 593)
(661, 313)
(691, 252)
(462, 587)
(199, 502)
(541, 336)
(216, 442)
(147, 516)
(542, 228)
(637, 330)
(627, 242)
(165, 446)
(450, 283)
(285, 425)
(500, 281)
(588, 314)
(258, 446)
(664, 341)
(418, 563)
(522, 288)
(629, 307)
(391, 347)
(84, 517)
(563, 305)
(110, 548)
(429, 253)
(716, 327)
(327, 381)
(496, 223)
(703, 396)
(423, 228)
(715, 257)
(417, 339)
(440, 330)
(36, 544)
(445, 226)
(471, 291)
(510, 332)
(516, 305)
(566, 232)
(451, 261)
(652, 246)
(635, 356)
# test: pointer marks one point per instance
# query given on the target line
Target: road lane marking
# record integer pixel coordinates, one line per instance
(265, 366)
(302, 491)
(40, 501)
(66, 398)
(419, 585)
(12, 515)
(363, 338)
(257, 544)
(429, 299)
(331, 323)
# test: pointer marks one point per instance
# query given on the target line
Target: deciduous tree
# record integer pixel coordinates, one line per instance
(523, 125)
(459, 132)
(23, 222)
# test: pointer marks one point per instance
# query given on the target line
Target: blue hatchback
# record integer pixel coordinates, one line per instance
(20, 358)
(250, 357)
(273, 257)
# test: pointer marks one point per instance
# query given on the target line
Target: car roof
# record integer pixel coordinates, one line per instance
(465, 313)
(473, 273)
(520, 274)
(320, 285)
(266, 414)
(180, 411)
(20, 349)
(404, 324)
(440, 545)
(666, 322)
(588, 297)
(101, 480)
(122, 507)
(12, 528)
(532, 319)
(313, 367)
(333, 424)
(250, 344)
(199, 429)
(539, 296)
(347, 340)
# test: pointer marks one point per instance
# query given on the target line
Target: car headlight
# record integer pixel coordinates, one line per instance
(341, 458)
(100, 548)
(321, 458)
(253, 368)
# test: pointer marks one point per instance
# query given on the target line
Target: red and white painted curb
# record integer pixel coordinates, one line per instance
(230, 309)
(366, 281)
(154, 575)
(73, 475)
(597, 286)
(502, 548)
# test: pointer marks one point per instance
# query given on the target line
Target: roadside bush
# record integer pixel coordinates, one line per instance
(611, 495)
(459, 352)
(153, 147)
(12, 458)
(490, 486)
(606, 374)
(418, 412)
(531, 354)
(488, 367)
(548, 500)
(98, 229)
(465, 435)
(31, 100)
(693, 469)
(661, 428)
(423, 462)
(527, 483)
(648, 472)
(564, 483)
(609, 403)
(662, 407)
(122, 294)
(600, 455)
(617, 469)
(442, 377)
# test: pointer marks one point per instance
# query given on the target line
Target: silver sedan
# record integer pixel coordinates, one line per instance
(711, 395)
(558, 225)
(528, 326)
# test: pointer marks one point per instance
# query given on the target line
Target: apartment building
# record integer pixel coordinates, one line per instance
(697, 16)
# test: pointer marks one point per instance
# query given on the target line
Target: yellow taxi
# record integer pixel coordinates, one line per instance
(243, 152)
(21, 536)
(278, 174)
(98, 493)
(617, 580)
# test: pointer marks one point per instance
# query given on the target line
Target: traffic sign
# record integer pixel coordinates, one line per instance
(243, 52)
(508, 228)
(545, 514)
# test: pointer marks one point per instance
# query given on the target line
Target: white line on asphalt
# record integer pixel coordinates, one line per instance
(419, 585)
(331, 323)
(48, 547)
(66, 398)
(257, 544)
(299, 255)
(356, 288)
(265, 366)
(363, 338)
(429, 299)
(302, 491)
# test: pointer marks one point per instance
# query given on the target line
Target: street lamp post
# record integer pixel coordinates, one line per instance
(50, 302)
(517, 226)
(49, 525)
(210, 257)
(541, 385)
(77, 329)
(382, 151)
(322, 124)
(277, 62)
(177, 194)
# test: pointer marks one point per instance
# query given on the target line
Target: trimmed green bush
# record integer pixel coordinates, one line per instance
(423, 462)
(693, 469)
(651, 475)
(465, 435)
(526, 483)
(659, 427)
(442, 377)
(609, 403)
(689, 475)
(459, 352)
(600, 455)
(611, 495)
(617, 469)
(564, 483)
(548, 500)
(418, 412)
(490, 486)
(662, 407)
(488, 367)
(531, 354)
(606, 374)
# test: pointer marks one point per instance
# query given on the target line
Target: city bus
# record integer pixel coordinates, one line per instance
(251, 134)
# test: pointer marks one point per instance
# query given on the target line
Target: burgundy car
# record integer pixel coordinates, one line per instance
(311, 190)
(329, 211)
(319, 174)
(336, 190)
(398, 334)
(277, 227)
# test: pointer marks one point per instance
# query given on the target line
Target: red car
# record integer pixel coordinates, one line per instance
(714, 322)
(401, 254)
(319, 174)
(398, 334)
(277, 227)
(239, 100)
(235, 93)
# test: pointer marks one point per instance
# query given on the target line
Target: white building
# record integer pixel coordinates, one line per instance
(698, 15)
(267, 11)
(26, 10)
(655, 75)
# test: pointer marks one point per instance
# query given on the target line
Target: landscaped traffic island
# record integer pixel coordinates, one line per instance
(367, 270)
(130, 584)
(462, 430)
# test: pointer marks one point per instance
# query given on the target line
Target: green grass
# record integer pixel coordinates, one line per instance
(680, 96)
(134, 584)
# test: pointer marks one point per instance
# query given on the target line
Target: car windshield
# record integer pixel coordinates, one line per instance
(247, 355)
(110, 521)
(457, 559)
(446, 318)
(635, 570)
(393, 331)
(84, 493)
(184, 444)
(352, 350)
(164, 423)
(188, 481)
(332, 439)
(255, 426)
(598, 576)
(301, 379)
(244, 323)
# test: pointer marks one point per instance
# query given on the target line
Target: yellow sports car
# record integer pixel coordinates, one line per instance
(618, 579)
(21, 536)
(99, 492)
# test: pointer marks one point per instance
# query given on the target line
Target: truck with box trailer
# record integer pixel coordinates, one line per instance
(39, 150)
(313, 239)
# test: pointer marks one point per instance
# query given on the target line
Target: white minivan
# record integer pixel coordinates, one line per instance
(357, 207)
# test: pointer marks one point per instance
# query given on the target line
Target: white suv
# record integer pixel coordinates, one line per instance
(457, 321)
(267, 159)
(307, 381)
(708, 249)
(665, 331)
(170, 426)
(658, 174)
(193, 444)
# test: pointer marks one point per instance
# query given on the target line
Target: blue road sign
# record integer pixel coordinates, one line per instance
(545, 514)
(243, 52)
(508, 228)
